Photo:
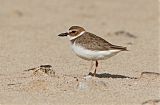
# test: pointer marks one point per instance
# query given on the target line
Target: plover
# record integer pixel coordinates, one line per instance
(90, 47)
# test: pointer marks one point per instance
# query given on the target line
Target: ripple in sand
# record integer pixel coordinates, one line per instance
(150, 75)
(152, 102)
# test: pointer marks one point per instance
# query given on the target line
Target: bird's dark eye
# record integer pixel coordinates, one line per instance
(73, 31)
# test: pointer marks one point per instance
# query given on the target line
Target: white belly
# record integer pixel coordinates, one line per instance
(93, 55)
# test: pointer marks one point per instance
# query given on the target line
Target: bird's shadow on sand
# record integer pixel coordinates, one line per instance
(107, 75)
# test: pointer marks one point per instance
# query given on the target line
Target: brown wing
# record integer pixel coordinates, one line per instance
(93, 42)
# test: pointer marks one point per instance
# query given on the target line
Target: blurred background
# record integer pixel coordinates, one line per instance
(28, 38)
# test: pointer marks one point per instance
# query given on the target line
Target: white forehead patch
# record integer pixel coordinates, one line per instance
(73, 37)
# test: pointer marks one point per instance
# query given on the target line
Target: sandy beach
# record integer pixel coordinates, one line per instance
(28, 39)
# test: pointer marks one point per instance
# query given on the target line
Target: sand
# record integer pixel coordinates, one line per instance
(28, 39)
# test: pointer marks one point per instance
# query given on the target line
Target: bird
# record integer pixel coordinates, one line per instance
(90, 47)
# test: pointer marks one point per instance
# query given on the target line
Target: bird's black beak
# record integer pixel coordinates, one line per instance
(63, 34)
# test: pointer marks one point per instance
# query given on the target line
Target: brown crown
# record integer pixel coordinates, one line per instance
(78, 28)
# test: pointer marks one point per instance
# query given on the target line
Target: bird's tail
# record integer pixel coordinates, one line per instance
(119, 47)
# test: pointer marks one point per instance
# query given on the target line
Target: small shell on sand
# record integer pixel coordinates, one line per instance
(43, 70)
(91, 83)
